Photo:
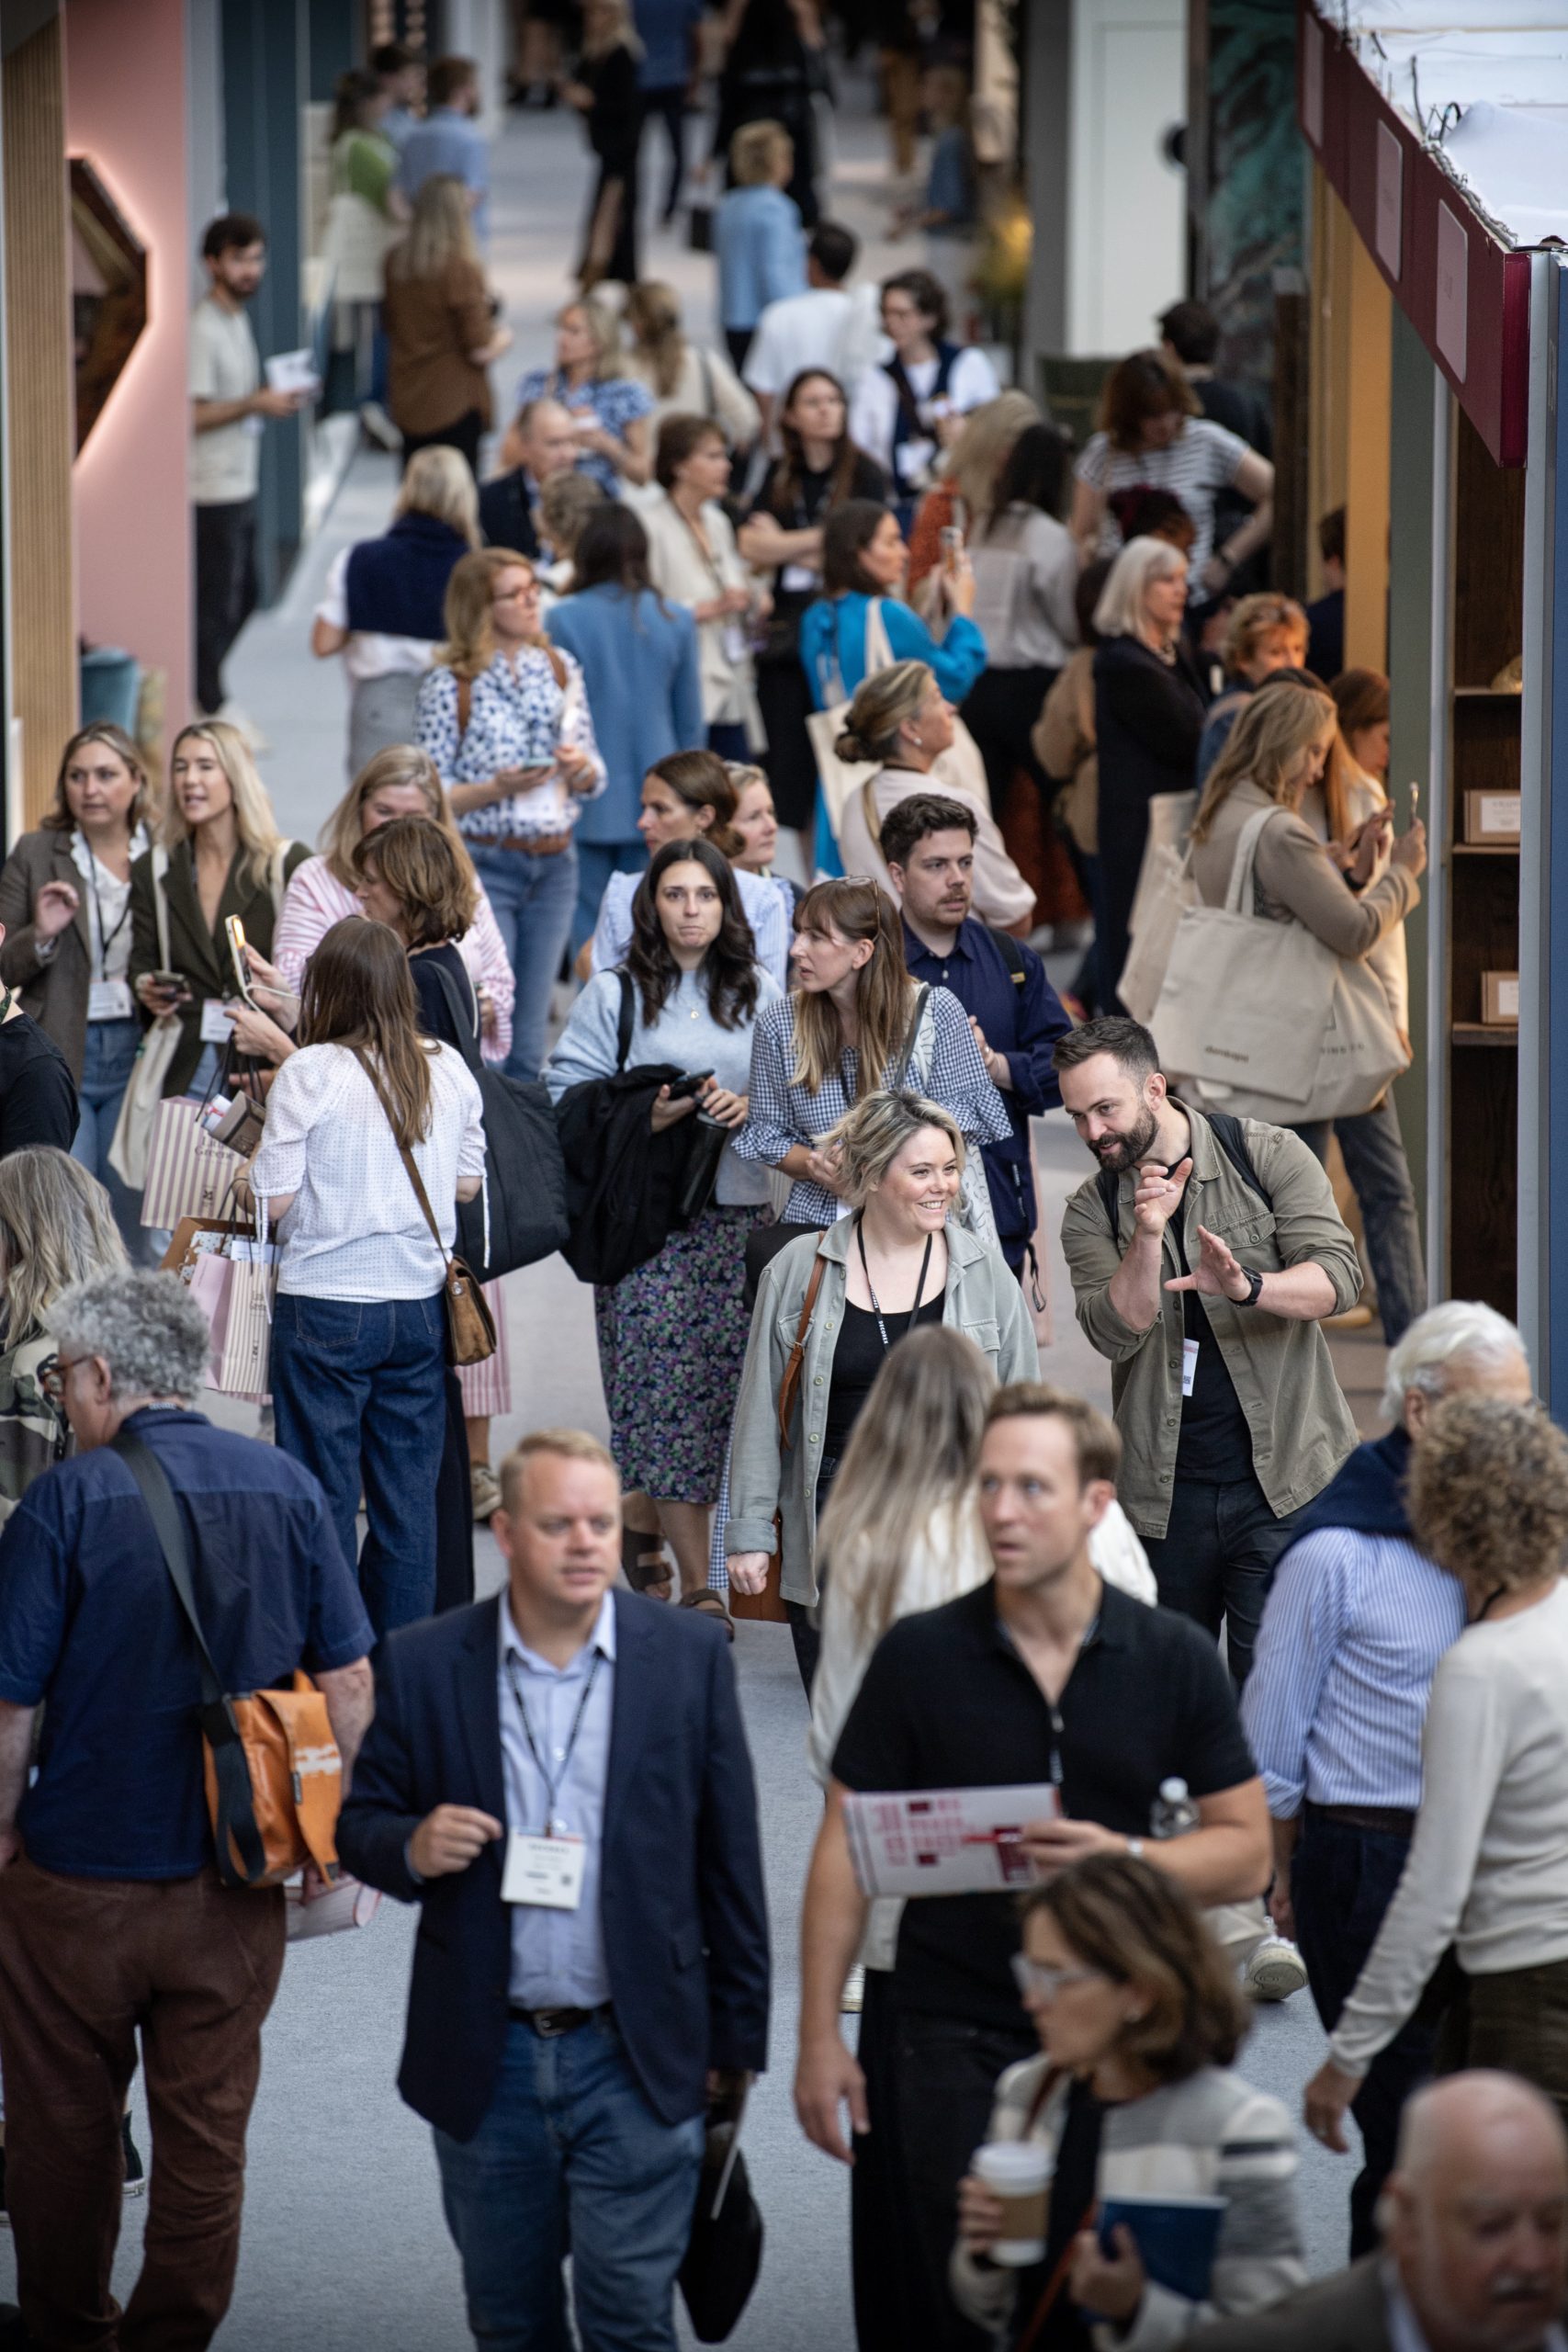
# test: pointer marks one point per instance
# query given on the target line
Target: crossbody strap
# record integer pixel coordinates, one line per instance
(789, 1387)
(922, 997)
(627, 1015)
(410, 1162)
(236, 1806)
(161, 905)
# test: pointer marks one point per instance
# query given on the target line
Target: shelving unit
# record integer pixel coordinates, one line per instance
(1483, 893)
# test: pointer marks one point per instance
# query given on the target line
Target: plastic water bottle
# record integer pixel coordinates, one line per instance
(1173, 1813)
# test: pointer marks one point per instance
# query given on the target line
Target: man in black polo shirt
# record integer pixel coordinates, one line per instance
(1042, 1675)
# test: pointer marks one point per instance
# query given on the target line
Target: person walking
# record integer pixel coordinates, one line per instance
(1140, 2020)
(684, 378)
(114, 1916)
(359, 1341)
(505, 716)
(229, 405)
(757, 235)
(1204, 1259)
(65, 922)
(692, 560)
(1148, 716)
(667, 73)
(1026, 575)
(673, 1332)
(1152, 433)
(603, 89)
(56, 1228)
(447, 142)
(819, 468)
(609, 409)
(382, 601)
(565, 2043)
(901, 718)
(693, 794)
(638, 657)
(540, 443)
(774, 68)
(929, 842)
(1065, 1681)
(441, 326)
(1356, 1620)
(910, 408)
(363, 213)
(897, 1259)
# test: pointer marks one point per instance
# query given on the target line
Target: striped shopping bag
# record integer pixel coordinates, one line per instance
(189, 1173)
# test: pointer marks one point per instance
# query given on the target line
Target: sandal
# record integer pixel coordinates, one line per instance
(709, 1605)
(643, 1563)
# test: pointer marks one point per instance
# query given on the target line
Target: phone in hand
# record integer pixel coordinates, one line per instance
(1414, 801)
(235, 932)
(950, 538)
(173, 984)
(682, 1089)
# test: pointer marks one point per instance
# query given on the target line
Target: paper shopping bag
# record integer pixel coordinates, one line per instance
(189, 1173)
(235, 1296)
(199, 1236)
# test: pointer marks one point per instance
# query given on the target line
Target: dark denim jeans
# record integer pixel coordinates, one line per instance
(1374, 1151)
(571, 2159)
(359, 1391)
(1216, 1560)
(1342, 1881)
(532, 899)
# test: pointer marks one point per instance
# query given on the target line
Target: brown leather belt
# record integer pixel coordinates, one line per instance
(551, 2024)
(535, 845)
(1386, 1820)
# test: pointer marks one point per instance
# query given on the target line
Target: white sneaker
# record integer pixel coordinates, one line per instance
(852, 2001)
(1275, 1971)
(378, 426)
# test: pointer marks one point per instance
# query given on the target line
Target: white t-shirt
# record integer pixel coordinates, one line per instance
(1202, 458)
(369, 654)
(225, 464)
(874, 409)
(825, 327)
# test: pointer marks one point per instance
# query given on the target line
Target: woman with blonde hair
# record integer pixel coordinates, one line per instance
(381, 606)
(504, 717)
(56, 1227)
(758, 238)
(566, 502)
(440, 324)
(609, 409)
(219, 853)
(685, 378)
(966, 496)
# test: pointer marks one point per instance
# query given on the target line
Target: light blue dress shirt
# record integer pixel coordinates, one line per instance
(447, 140)
(761, 249)
(558, 1957)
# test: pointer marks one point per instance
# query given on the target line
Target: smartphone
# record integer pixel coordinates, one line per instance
(175, 983)
(950, 540)
(680, 1088)
(1414, 801)
(234, 931)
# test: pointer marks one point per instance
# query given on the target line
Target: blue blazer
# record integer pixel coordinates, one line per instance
(641, 676)
(681, 1902)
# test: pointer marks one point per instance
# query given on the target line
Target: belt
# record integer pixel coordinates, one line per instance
(535, 845)
(1387, 1820)
(551, 2024)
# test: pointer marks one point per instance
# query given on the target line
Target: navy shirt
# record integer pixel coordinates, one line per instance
(89, 1623)
(1021, 1019)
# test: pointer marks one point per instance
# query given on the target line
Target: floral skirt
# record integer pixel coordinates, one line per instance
(671, 1343)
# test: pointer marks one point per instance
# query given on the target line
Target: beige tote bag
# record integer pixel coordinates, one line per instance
(1261, 1019)
(1166, 890)
(1170, 827)
(961, 766)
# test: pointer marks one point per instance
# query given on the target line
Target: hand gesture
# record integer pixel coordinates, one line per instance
(451, 1837)
(989, 1056)
(1365, 843)
(826, 1169)
(1054, 1846)
(1159, 1196)
(824, 2078)
(1218, 1274)
(276, 404)
(54, 909)
(1108, 2286)
(256, 1034)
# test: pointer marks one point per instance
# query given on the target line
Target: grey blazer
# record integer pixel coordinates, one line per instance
(982, 1299)
(54, 993)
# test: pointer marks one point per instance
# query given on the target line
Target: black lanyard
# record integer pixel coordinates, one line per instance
(106, 939)
(552, 1787)
(919, 1286)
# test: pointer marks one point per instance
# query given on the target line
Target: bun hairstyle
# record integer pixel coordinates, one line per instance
(884, 704)
(703, 781)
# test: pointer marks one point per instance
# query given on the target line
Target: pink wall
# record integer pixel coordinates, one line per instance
(124, 111)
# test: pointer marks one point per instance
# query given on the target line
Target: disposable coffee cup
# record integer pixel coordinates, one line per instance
(1019, 2173)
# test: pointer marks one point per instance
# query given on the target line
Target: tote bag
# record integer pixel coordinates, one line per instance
(1265, 1021)
(1170, 827)
(1166, 890)
(961, 767)
(139, 1106)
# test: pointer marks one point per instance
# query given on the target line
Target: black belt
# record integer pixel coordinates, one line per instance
(551, 2024)
(1386, 1820)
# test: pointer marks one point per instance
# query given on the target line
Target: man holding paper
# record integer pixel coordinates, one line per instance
(1049, 1679)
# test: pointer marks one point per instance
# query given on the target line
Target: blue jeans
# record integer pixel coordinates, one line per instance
(108, 1059)
(1215, 1561)
(358, 1388)
(533, 899)
(571, 2157)
(596, 861)
(1374, 1151)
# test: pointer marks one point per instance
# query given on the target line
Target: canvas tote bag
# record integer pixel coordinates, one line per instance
(1275, 1027)
(961, 766)
(1166, 890)
(133, 1129)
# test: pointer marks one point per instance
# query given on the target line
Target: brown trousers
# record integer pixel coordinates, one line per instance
(84, 1964)
(1515, 2021)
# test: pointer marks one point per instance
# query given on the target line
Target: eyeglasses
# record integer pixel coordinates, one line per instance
(1036, 1981)
(54, 1375)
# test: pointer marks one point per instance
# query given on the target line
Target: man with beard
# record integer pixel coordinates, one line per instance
(1203, 1255)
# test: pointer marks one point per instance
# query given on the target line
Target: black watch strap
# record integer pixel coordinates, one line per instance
(1254, 1286)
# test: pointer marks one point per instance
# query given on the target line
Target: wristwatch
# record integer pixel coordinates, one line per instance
(1254, 1286)
(1134, 1849)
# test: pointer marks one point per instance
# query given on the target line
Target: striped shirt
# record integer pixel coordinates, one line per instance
(1335, 1701)
(1202, 458)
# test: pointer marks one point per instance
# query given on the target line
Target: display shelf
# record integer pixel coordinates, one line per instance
(1483, 1033)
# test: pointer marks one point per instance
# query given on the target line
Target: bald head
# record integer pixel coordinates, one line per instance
(1476, 2214)
(544, 440)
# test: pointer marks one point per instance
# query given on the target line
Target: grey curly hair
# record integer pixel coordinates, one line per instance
(148, 1329)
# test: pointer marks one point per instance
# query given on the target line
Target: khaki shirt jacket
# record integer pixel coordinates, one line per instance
(1301, 1429)
(982, 1299)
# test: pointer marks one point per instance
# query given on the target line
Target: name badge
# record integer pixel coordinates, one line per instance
(1188, 1365)
(799, 579)
(544, 1871)
(733, 639)
(215, 1026)
(110, 1001)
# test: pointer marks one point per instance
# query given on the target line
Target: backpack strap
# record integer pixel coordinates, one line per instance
(627, 1018)
(1012, 952)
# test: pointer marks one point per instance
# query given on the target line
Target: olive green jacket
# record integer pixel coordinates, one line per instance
(1301, 1429)
(982, 1299)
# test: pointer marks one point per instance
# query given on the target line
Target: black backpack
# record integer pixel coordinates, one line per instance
(1231, 1137)
(526, 1181)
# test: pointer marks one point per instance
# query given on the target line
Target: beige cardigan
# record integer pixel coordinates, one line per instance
(680, 572)
(1294, 877)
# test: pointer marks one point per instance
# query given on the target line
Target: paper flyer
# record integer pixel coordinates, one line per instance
(945, 1841)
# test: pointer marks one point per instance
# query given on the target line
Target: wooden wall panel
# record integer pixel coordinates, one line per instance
(39, 408)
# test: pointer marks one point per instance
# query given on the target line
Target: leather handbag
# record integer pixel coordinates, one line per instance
(767, 1606)
(469, 1323)
(272, 1769)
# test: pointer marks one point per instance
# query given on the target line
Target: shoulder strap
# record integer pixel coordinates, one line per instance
(160, 904)
(410, 1162)
(465, 1021)
(626, 1019)
(1012, 952)
(274, 877)
(789, 1387)
(868, 811)
(1244, 861)
(236, 1806)
(922, 997)
(1109, 1187)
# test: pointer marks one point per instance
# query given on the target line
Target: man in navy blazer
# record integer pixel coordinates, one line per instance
(559, 1776)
